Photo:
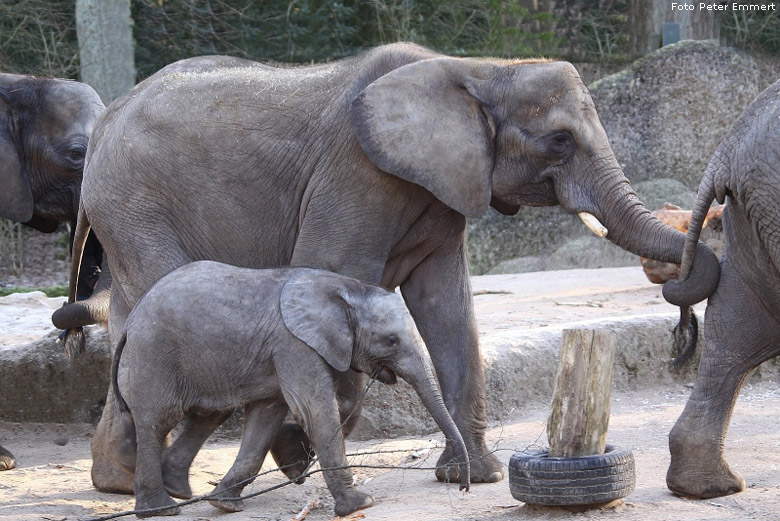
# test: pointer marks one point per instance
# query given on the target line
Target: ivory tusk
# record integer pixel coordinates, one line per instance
(593, 224)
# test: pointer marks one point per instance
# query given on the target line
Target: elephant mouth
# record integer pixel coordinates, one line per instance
(533, 194)
(384, 375)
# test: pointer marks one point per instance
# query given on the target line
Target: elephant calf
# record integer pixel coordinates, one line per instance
(210, 337)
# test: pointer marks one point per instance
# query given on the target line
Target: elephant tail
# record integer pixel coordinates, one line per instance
(120, 346)
(65, 317)
(79, 241)
(686, 333)
(128, 447)
(675, 291)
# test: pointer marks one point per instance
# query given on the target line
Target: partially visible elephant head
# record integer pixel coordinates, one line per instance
(480, 132)
(45, 125)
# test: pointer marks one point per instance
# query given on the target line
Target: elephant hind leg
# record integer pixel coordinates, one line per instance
(111, 434)
(7, 461)
(740, 334)
(292, 451)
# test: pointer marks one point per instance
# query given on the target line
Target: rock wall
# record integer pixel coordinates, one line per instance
(665, 115)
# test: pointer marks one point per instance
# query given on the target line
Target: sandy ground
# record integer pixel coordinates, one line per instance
(53, 482)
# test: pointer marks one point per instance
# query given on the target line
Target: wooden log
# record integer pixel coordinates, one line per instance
(581, 400)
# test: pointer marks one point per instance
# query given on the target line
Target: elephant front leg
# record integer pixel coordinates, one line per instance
(7, 461)
(315, 407)
(740, 334)
(291, 448)
(178, 458)
(438, 294)
(328, 441)
(261, 423)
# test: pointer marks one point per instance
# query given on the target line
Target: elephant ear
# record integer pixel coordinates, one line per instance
(421, 123)
(16, 201)
(315, 309)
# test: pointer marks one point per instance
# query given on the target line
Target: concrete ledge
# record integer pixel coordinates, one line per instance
(520, 318)
(520, 369)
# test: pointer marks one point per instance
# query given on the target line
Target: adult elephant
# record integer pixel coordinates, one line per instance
(44, 128)
(742, 329)
(367, 167)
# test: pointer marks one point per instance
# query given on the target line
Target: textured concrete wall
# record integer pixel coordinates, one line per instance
(39, 384)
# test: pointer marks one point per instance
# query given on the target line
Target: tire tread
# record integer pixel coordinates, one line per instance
(540, 480)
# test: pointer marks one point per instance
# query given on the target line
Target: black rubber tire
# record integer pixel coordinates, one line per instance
(538, 479)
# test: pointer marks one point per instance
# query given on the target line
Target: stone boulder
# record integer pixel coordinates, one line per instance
(666, 113)
(40, 384)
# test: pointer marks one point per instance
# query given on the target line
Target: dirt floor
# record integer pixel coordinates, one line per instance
(53, 479)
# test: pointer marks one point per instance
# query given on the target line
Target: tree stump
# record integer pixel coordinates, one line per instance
(579, 469)
(581, 401)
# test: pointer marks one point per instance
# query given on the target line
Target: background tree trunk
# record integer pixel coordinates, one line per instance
(647, 16)
(105, 35)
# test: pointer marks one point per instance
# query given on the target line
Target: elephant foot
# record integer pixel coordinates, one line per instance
(698, 469)
(160, 505)
(292, 451)
(703, 483)
(351, 501)
(7, 461)
(109, 473)
(228, 505)
(485, 467)
(226, 500)
(177, 484)
(111, 477)
(167, 512)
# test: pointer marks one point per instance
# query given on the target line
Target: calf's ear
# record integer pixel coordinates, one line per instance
(315, 309)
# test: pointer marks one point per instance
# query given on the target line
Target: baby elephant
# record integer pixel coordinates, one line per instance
(211, 337)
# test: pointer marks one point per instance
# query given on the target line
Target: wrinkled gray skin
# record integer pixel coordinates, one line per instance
(741, 325)
(367, 167)
(44, 128)
(212, 337)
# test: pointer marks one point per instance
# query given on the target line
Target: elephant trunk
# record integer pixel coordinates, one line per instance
(84, 312)
(624, 220)
(421, 376)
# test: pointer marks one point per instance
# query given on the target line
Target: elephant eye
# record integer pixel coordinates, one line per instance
(392, 340)
(76, 153)
(560, 139)
(560, 143)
